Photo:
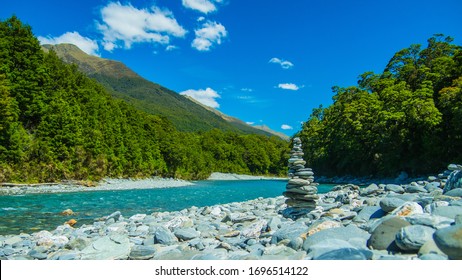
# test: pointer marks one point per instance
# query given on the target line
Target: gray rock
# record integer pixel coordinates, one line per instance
(388, 204)
(38, 255)
(116, 216)
(369, 212)
(448, 211)
(454, 192)
(411, 238)
(453, 167)
(340, 233)
(255, 229)
(12, 240)
(426, 219)
(433, 186)
(186, 233)
(433, 257)
(430, 247)
(454, 181)
(371, 189)
(163, 235)
(394, 188)
(274, 223)
(289, 231)
(115, 247)
(383, 237)
(78, 243)
(346, 254)
(326, 246)
(217, 254)
(142, 252)
(449, 240)
(64, 255)
(415, 189)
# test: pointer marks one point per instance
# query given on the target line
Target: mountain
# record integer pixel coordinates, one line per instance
(185, 114)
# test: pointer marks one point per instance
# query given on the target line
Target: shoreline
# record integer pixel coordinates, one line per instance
(219, 176)
(359, 226)
(109, 184)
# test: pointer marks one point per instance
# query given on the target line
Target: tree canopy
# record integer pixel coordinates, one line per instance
(408, 118)
(56, 123)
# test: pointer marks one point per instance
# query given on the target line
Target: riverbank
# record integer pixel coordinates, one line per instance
(109, 184)
(103, 185)
(416, 221)
(218, 176)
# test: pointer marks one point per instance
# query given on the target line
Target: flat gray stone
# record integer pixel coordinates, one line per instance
(108, 248)
(142, 252)
(426, 219)
(388, 204)
(289, 231)
(163, 235)
(433, 257)
(394, 188)
(369, 212)
(186, 233)
(411, 238)
(454, 192)
(346, 254)
(415, 189)
(369, 190)
(383, 237)
(340, 233)
(448, 211)
(449, 240)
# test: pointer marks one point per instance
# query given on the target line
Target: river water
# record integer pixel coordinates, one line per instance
(34, 212)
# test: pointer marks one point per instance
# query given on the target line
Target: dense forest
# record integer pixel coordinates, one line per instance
(58, 124)
(408, 118)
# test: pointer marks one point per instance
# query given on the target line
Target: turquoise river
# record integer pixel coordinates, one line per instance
(34, 212)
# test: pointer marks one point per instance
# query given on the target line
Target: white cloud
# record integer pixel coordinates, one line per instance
(284, 63)
(203, 6)
(200, 19)
(128, 25)
(250, 123)
(210, 34)
(286, 127)
(247, 89)
(85, 44)
(207, 97)
(288, 86)
(171, 48)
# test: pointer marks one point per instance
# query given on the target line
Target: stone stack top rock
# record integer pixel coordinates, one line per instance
(301, 192)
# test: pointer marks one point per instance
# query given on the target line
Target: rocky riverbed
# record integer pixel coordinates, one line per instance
(104, 185)
(420, 220)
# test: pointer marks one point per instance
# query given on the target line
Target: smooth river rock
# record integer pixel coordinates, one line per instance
(383, 237)
(411, 238)
(449, 240)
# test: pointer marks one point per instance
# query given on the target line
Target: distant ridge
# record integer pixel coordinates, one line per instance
(185, 113)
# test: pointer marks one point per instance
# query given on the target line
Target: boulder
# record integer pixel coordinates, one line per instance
(185, 234)
(142, 252)
(411, 238)
(449, 240)
(448, 211)
(114, 247)
(407, 209)
(163, 235)
(383, 237)
(388, 204)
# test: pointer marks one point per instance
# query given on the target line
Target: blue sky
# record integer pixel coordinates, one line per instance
(264, 62)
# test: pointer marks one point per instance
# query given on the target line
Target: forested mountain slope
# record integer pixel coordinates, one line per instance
(56, 124)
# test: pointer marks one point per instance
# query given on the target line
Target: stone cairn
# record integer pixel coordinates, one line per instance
(301, 192)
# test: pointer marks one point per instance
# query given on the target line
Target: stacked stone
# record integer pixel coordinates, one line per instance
(301, 192)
